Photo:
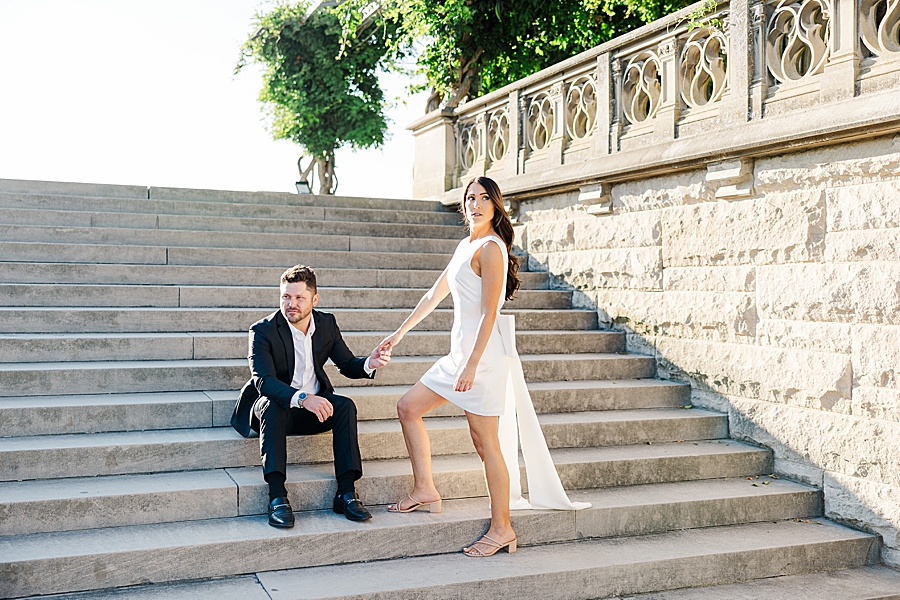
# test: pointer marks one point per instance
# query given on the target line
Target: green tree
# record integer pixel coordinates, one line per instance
(472, 47)
(314, 97)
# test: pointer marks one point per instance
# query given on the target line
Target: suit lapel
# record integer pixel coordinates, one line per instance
(287, 339)
(317, 337)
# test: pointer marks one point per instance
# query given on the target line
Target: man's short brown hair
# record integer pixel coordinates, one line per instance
(301, 273)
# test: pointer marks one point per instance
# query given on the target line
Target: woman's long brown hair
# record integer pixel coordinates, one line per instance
(502, 225)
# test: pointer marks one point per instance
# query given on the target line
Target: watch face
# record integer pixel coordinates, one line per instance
(302, 395)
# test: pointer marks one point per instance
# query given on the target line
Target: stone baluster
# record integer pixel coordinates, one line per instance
(759, 82)
(558, 135)
(667, 115)
(842, 70)
(521, 120)
(481, 158)
(600, 142)
(513, 148)
(740, 48)
(615, 127)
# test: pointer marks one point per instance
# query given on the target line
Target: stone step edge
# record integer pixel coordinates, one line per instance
(232, 362)
(239, 492)
(671, 559)
(427, 206)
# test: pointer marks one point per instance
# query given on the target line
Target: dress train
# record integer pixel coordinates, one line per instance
(519, 422)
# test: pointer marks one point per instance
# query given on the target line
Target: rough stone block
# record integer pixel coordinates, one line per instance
(868, 206)
(624, 230)
(798, 378)
(780, 228)
(842, 293)
(805, 335)
(876, 356)
(876, 403)
(551, 236)
(864, 244)
(848, 164)
(692, 315)
(660, 192)
(710, 279)
(865, 505)
(631, 268)
(860, 448)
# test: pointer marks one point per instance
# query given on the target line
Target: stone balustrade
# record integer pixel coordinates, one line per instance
(768, 75)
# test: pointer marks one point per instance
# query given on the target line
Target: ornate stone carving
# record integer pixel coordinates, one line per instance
(703, 74)
(498, 135)
(468, 145)
(581, 107)
(798, 39)
(666, 48)
(879, 26)
(641, 86)
(539, 121)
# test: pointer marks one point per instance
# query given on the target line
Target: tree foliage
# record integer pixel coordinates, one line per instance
(313, 98)
(472, 47)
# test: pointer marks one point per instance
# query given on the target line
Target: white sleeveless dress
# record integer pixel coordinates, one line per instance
(499, 387)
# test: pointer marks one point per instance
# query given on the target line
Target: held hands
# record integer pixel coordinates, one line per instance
(319, 406)
(380, 356)
(390, 341)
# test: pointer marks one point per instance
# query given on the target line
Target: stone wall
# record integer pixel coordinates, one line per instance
(781, 307)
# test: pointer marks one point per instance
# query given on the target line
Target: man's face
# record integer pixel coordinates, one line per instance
(297, 301)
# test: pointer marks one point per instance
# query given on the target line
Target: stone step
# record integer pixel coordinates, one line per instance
(108, 295)
(30, 252)
(593, 568)
(227, 276)
(141, 192)
(48, 415)
(861, 583)
(117, 377)
(119, 500)
(316, 212)
(101, 190)
(80, 347)
(184, 320)
(77, 218)
(90, 454)
(105, 558)
(223, 239)
(198, 195)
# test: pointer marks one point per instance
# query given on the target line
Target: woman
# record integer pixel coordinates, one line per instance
(480, 375)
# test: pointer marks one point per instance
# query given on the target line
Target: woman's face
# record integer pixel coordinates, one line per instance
(478, 206)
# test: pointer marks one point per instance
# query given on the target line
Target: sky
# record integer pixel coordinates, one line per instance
(143, 92)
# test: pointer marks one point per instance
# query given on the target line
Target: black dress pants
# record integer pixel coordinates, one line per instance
(276, 423)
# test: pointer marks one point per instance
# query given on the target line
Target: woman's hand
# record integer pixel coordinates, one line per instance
(466, 378)
(380, 356)
(389, 342)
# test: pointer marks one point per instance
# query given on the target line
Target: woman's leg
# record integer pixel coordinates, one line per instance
(410, 409)
(487, 443)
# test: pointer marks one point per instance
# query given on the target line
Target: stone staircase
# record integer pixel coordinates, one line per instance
(123, 320)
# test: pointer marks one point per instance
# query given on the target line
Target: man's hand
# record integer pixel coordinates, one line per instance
(318, 406)
(380, 356)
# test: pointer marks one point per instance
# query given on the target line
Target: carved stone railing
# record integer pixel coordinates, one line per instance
(772, 73)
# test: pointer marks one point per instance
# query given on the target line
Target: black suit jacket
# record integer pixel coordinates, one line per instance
(272, 364)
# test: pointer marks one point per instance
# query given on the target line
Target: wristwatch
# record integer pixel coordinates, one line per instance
(301, 398)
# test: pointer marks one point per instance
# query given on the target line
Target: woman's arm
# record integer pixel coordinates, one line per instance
(427, 303)
(487, 262)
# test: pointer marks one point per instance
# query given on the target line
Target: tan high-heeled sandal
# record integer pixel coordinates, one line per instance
(494, 545)
(433, 507)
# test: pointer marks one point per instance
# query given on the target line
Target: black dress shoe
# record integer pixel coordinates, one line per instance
(350, 506)
(280, 513)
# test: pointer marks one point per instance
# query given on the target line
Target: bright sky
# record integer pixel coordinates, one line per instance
(142, 92)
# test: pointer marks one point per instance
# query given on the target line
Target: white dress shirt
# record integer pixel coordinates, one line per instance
(304, 379)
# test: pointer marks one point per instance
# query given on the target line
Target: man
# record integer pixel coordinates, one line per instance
(289, 393)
